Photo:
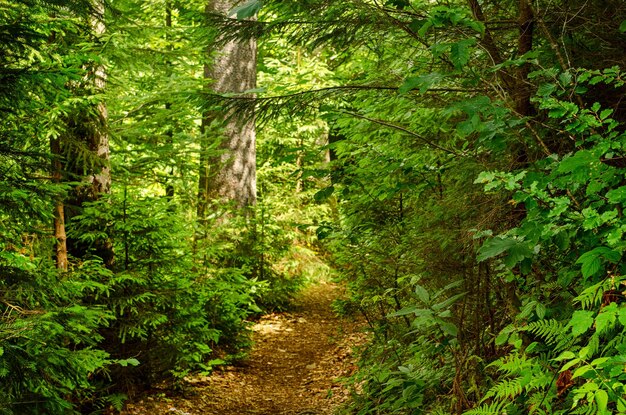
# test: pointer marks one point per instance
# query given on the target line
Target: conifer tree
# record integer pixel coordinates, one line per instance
(230, 177)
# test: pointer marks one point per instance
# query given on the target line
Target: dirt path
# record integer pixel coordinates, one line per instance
(292, 370)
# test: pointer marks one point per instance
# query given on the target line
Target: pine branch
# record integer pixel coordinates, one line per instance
(270, 107)
(326, 22)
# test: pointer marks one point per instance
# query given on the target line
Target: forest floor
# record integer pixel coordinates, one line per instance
(294, 367)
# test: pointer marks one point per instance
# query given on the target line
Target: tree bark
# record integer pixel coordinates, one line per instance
(231, 176)
(90, 130)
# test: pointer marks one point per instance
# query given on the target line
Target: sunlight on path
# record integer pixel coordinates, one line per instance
(292, 369)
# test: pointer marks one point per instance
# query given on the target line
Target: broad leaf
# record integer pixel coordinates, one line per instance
(582, 159)
(607, 317)
(602, 399)
(421, 82)
(460, 52)
(422, 294)
(246, 10)
(581, 321)
(516, 249)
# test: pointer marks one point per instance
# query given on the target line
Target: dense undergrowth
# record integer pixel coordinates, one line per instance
(85, 338)
(462, 164)
(151, 293)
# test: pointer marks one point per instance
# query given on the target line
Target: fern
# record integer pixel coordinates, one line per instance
(537, 400)
(551, 331)
(506, 388)
(591, 297)
(116, 400)
(584, 410)
(494, 408)
(511, 364)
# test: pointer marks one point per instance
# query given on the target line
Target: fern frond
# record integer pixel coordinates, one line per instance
(552, 286)
(539, 403)
(511, 364)
(586, 409)
(591, 297)
(506, 388)
(552, 331)
(494, 408)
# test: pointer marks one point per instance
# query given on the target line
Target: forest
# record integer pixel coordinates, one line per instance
(170, 170)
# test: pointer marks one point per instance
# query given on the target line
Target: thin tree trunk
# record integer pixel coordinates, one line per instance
(59, 209)
(169, 186)
(60, 236)
(490, 46)
(300, 165)
(525, 45)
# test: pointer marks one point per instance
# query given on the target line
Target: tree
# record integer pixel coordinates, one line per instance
(86, 148)
(230, 177)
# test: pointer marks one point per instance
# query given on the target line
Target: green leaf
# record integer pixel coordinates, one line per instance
(581, 321)
(502, 338)
(621, 315)
(540, 309)
(566, 355)
(581, 159)
(460, 52)
(246, 10)
(591, 260)
(602, 399)
(421, 82)
(131, 361)
(424, 28)
(622, 27)
(405, 311)
(617, 195)
(448, 302)
(581, 371)
(517, 250)
(324, 194)
(591, 266)
(569, 364)
(422, 294)
(605, 113)
(448, 328)
(607, 317)
(494, 247)
(603, 321)
(565, 78)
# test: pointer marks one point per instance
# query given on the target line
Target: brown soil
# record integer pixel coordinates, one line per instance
(293, 368)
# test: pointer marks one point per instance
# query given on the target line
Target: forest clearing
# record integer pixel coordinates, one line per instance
(205, 204)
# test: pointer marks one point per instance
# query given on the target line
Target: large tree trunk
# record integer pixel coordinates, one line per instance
(231, 176)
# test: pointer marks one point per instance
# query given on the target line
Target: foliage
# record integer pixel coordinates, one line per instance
(49, 350)
(459, 163)
(171, 303)
(414, 117)
(572, 222)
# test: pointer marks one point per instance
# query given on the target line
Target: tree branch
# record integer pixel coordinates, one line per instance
(404, 130)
